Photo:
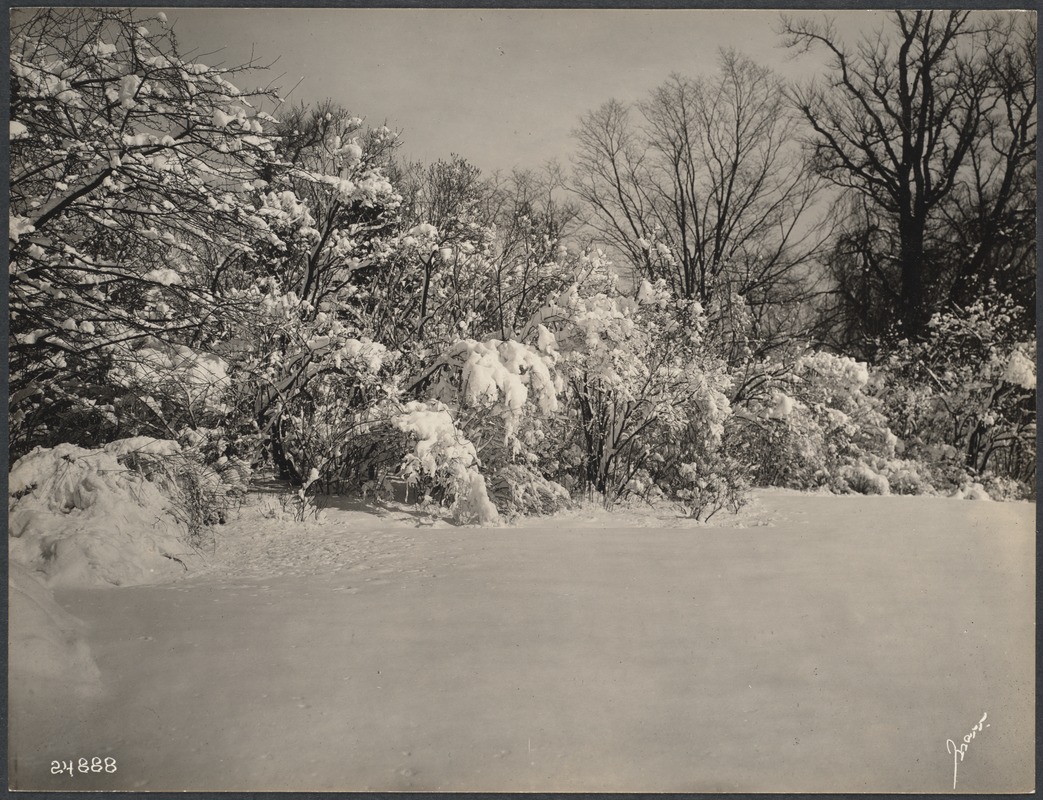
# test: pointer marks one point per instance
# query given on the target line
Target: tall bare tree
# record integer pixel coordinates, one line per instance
(709, 169)
(989, 218)
(931, 122)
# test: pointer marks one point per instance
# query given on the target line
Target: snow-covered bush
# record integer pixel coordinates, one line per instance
(308, 383)
(963, 400)
(813, 421)
(971, 490)
(861, 479)
(520, 489)
(501, 394)
(1001, 488)
(708, 487)
(82, 517)
(906, 476)
(199, 495)
(645, 399)
(167, 390)
(309, 364)
(132, 164)
(443, 458)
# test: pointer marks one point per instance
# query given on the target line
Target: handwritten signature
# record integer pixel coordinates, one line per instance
(959, 751)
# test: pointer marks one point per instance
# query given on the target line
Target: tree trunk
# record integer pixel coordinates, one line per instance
(283, 463)
(912, 304)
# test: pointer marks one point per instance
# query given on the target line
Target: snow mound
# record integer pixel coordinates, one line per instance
(84, 517)
(971, 490)
(44, 641)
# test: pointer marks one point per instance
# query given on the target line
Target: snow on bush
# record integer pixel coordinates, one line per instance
(813, 422)
(443, 455)
(304, 384)
(520, 489)
(84, 517)
(708, 486)
(1000, 488)
(501, 395)
(170, 377)
(859, 478)
(126, 201)
(509, 380)
(963, 400)
(906, 476)
(496, 371)
(1020, 370)
(647, 399)
(971, 490)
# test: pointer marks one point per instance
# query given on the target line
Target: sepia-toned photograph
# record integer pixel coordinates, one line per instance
(521, 400)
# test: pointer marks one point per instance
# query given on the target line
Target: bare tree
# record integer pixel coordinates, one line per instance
(532, 223)
(930, 118)
(702, 184)
(988, 220)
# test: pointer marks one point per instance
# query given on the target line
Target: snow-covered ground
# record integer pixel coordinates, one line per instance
(813, 643)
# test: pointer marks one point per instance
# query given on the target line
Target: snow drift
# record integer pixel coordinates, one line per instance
(83, 517)
(44, 641)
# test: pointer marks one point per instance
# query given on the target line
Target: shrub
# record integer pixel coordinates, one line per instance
(861, 479)
(445, 457)
(814, 422)
(199, 496)
(906, 476)
(963, 400)
(520, 489)
(706, 489)
(127, 513)
(121, 160)
(643, 394)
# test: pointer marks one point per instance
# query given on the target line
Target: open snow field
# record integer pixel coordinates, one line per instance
(814, 643)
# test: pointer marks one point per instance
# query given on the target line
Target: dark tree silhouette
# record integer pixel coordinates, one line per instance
(931, 122)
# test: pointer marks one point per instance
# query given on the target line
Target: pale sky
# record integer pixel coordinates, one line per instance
(500, 87)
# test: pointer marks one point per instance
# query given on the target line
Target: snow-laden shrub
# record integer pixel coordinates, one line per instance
(167, 390)
(200, 495)
(520, 489)
(126, 189)
(82, 517)
(963, 400)
(813, 422)
(305, 386)
(646, 401)
(861, 479)
(507, 379)
(971, 490)
(906, 476)
(443, 458)
(1001, 488)
(705, 489)
(501, 394)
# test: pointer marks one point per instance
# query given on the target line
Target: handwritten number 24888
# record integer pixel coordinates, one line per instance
(84, 765)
